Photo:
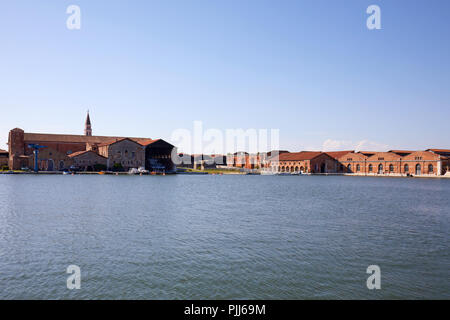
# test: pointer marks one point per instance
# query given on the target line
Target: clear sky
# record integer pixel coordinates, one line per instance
(309, 68)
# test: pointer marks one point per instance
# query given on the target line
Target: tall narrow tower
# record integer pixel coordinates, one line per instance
(87, 126)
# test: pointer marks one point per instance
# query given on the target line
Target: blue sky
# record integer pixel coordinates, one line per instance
(309, 68)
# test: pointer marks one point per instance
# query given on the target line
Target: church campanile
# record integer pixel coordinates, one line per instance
(87, 126)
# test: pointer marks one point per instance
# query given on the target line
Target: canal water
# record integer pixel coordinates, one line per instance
(223, 237)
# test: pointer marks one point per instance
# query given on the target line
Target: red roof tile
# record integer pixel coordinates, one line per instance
(69, 138)
(401, 152)
(299, 156)
(72, 155)
(146, 142)
(338, 154)
(439, 150)
(367, 153)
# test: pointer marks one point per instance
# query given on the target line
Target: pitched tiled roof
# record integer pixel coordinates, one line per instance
(401, 152)
(146, 142)
(130, 139)
(72, 155)
(352, 156)
(442, 152)
(338, 154)
(299, 156)
(69, 138)
(3, 151)
(385, 155)
(367, 153)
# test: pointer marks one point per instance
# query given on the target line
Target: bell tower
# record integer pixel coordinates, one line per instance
(87, 126)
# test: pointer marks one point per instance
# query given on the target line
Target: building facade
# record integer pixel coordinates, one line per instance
(303, 162)
(89, 160)
(432, 162)
(57, 148)
(4, 159)
(123, 154)
(394, 163)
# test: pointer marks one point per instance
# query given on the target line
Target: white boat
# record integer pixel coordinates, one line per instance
(133, 171)
(142, 170)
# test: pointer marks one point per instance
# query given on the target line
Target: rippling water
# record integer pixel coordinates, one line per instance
(223, 237)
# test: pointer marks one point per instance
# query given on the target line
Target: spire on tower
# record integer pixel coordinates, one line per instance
(87, 126)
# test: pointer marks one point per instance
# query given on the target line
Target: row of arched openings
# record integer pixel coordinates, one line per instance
(290, 169)
(380, 168)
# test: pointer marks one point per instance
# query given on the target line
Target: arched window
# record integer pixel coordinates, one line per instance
(380, 168)
(406, 168)
(418, 169)
(391, 168)
(358, 168)
(370, 168)
(430, 168)
(50, 165)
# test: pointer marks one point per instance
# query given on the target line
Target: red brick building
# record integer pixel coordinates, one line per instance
(432, 162)
(304, 162)
(4, 161)
(253, 161)
(88, 160)
(58, 148)
(395, 163)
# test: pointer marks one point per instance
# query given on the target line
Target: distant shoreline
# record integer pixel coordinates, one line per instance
(211, 172)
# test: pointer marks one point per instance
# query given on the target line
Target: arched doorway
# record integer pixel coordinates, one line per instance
(349, 168)
(418, 169)
(51, 165)
(61, 165)
(323, 168)
(380, 169)
(430, 169)
(302, 169)
(296, 169)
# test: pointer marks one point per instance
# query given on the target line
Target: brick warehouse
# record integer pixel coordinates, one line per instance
(304, 162)
(431, 162)
(62, 151)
